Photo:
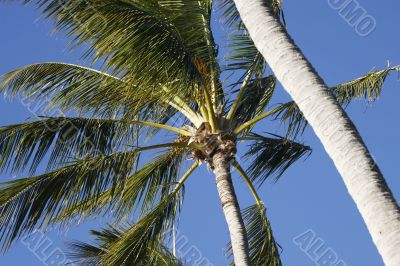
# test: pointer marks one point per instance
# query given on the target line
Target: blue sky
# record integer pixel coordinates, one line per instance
(311, 195)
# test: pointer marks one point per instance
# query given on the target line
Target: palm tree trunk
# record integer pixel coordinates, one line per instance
(337, 133)
(231, 210)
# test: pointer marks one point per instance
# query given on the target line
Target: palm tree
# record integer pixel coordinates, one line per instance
(159, 80)
(337, 133)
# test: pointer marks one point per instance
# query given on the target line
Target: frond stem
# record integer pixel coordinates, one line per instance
(182, 181)
(255, 120)
(248, 181)
(211, 113)
(180, 105)
(240, 95)
(161, 126)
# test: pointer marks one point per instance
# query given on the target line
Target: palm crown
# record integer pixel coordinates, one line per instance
(160, 73)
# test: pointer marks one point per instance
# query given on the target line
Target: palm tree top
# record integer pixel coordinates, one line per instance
(159, 75)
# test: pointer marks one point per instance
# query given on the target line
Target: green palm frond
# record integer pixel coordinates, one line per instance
(263, 248)
(368, 87)
(33, 202)
(141, 243)
(141, 191)
(133, 247)
(92, 254)
(272, 156)
(290, 115)
(149, 184)
(175, 36)
(243, 53)
(66, 87)
(255, 99)
(232, 16)
(25, 145)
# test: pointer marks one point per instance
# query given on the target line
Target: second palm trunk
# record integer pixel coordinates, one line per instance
(337, 133)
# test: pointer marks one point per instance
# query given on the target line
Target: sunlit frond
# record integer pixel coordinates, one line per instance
(272, 156)
(59, 87)
(368, 87)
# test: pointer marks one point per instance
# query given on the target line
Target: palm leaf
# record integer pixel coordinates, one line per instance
(60, 87)
(368, 87)
(272, 156)
(25, 145)
(127, 35)
(33, 202)
(141, 191)
(150, 183)
(149, 231)
(262, 246)
(92, 254)
(255, 99)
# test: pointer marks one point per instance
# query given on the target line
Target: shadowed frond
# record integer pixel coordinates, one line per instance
(262, 245)
(150, 183)
(291, 116)
(243, 54)
(25, 145)
(92, 254)
(272, 156)
(254, 100)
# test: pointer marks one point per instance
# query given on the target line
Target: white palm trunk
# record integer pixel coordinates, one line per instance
(231, 210)
(337, 133)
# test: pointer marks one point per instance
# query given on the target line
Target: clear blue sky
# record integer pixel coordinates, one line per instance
(311, 195)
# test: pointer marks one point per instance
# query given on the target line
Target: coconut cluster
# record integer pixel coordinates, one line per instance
(210, 143)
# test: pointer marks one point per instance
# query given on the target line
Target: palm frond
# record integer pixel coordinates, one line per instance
(243, 53)
(141, 191)
(271, 156)
(59, 87)
(133, 247)
(25, 145)
(290, 115)
(33, 202)
(92, 254)
(254, 100)
(149, 184)
(175, 36)
(368, 87)
(263, 248)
